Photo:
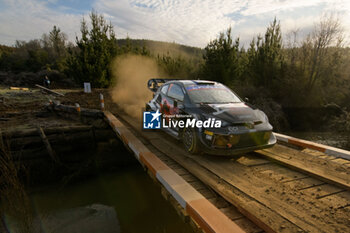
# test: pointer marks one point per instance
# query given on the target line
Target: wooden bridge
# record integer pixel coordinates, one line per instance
(295, 186)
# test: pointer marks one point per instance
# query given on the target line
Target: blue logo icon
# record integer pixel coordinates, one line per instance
(151, 120)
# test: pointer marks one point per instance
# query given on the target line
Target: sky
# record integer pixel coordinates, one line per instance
(189, 22)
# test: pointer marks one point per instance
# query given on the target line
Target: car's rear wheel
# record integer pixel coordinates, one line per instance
(191, 141)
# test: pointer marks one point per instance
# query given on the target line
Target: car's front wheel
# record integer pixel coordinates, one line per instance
(191, 141)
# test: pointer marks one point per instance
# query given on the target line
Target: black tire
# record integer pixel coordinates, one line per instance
(191, 141)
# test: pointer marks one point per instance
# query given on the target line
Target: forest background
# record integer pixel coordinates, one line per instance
(300, 82)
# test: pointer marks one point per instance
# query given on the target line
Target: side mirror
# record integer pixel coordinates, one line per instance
(246, 99)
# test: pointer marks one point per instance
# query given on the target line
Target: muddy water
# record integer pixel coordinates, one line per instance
(336, 139)
(136, 199)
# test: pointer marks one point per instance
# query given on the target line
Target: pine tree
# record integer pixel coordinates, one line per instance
(96, 49)
(222, 59)
(265, 57)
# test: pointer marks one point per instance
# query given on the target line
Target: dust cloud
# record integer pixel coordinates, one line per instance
(131, 73)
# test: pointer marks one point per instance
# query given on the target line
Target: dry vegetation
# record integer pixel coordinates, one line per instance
(15, 204)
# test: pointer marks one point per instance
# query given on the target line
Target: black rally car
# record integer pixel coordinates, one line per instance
(242, 127)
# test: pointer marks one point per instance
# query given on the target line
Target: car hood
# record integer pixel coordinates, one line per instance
(232, 112)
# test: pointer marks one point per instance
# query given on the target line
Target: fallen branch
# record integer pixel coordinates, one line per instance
(48, 90)
(47, 144)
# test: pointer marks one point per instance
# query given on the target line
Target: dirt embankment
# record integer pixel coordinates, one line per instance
(25, 109)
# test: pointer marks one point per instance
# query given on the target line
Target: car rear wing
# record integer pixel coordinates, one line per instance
(154, 83)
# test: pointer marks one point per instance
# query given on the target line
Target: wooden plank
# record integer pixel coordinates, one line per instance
(180, 171)
(340, 161)
(219, 202)
(207, 193)
(189, 177)
(279, 173)
(327, 174)
(198, 185)
(322, 190)
(48, 90)
(304, 183)
(251, 160)
(329, 157)
(313, 152)
(247, 225)
(339, 200)
(232, 213)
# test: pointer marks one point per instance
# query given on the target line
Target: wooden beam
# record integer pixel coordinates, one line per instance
(83, 111)
(291, 158)
(10, 134)
(20, 88)
(48, 90)
(47, 144)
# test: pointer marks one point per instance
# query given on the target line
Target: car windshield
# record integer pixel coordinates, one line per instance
(211, 94)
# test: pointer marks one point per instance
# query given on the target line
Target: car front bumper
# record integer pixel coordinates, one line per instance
(239, 148)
